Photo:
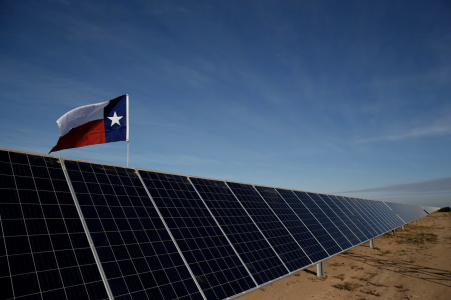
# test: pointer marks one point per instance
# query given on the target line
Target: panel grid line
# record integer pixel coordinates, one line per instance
(217, 267)
(170, 234)
(250, 243)
(225, 235)
(313, 215)
(344, 218)
(394, 212)
(351, 206)
(369, 217)
(350, 236)
(341, 207)
(26, 229)
(314, 236)
(258, 227)
(346, 241)
(278, 218)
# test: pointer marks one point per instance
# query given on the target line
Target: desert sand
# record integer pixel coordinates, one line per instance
(413, 264)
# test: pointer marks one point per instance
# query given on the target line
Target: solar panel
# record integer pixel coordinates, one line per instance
(377, 215)
(363, 225)
(430, 209)
(44, 253)
(324, 219)
(369, 215)
(407, 212)
(395, 217)
(137, 254)
(217, 267)
(78, 230)
(315, 227)
(348, 217)
(293, 224)
(335, 219)
(388, 217)
(268, 223)
(251, 245)
(362, 215)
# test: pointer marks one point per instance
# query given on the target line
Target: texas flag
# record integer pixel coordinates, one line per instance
(93, 124)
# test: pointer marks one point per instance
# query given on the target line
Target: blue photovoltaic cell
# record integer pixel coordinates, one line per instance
(251, 245)
(395, 219)
(370, 216)
(374, 214)
(360, 215)
(192, 239)
(324, 219)
(217, 268)
(44, 250)
(355, 218)
(386, 220)
(137, 254)
(380, 217)
(333, 205)
(383, 210)
(274, 231)
(315, 227)
(335, 218)
(402, 210)
(294, 225)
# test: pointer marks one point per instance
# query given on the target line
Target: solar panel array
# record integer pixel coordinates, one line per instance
(430, 209)
(79, 230)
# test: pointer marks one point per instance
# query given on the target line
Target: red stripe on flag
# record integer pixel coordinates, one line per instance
(91, 133)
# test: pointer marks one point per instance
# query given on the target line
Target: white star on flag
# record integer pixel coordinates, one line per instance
(115, 119)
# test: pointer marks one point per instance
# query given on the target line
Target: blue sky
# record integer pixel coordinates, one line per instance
(323, 96)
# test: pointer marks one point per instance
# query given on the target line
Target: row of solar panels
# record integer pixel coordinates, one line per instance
(430, 209)
(77, 230)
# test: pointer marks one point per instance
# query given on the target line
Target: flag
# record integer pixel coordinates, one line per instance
(94, 124)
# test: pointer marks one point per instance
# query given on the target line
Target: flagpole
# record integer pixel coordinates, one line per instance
(128, 141)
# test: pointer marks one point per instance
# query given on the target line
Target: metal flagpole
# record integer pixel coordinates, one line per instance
(128, 120)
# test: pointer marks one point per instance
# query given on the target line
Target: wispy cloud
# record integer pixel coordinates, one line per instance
(434, 185)
(439, 128)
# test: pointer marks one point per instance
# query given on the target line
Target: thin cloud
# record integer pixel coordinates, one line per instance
(438, 129)
(435, 185)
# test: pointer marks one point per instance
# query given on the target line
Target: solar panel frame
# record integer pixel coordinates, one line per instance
(363, 216)
(370, 215)
(402, 211)
(324, 218)
(383, 215)
(377, 216)
(225, 235)
(350, 235)
(47, 251)
(295, 226)
(137, 253)
(277, 235)
(311, 222)
(369, 232)
(217, 267)
(385, 220)
(352, 221)
(392, 220)
(250, 241)
(396, 213)
(389, 217)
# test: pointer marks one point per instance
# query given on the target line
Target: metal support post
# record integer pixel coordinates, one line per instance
(372, 243)
(403, 227)
(393, 232)
(320, 269)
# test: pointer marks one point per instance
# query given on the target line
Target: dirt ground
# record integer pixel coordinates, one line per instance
(413, 264)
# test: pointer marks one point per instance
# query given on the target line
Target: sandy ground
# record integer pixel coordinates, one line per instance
(413, 264)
